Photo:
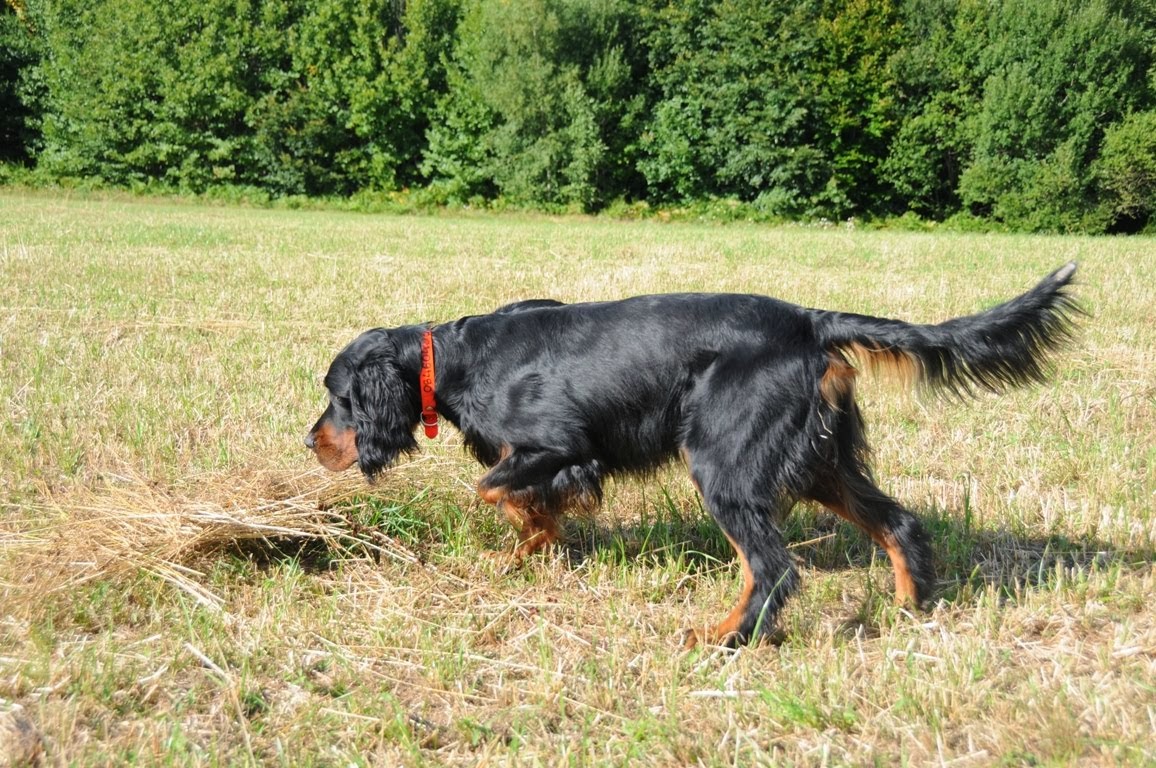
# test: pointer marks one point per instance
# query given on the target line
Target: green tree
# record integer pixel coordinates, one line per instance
(857, 100)
(733, 116)
(1057, 74)
(790, 105)
(350, 110)
(939, 90)
(299, 98)
(540, 100)
(1125, 173)
(19, 96)
(146, 91)
(1031, 112)
(101, 95)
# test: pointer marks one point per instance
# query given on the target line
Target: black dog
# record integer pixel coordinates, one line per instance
(755, 394)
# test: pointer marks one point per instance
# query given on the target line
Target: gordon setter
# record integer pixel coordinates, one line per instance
(756, 395)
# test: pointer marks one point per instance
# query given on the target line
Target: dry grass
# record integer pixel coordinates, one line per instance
(179, 583)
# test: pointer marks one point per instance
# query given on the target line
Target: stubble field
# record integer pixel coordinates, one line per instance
(181, 584)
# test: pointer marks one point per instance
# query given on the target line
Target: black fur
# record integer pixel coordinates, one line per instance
(756, 394)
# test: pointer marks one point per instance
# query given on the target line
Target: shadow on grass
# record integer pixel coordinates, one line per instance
(969, 561)
(309, 553)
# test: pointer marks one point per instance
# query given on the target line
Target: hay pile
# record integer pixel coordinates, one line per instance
(131, 526)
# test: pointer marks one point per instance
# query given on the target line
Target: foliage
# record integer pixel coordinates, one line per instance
(541, 94)
(938, 81)
(19, 53)
(351, 110)
(1056, 75)
(859, 40)
(732, 116)
(241, 92)
(1126, 172)
(821, 109)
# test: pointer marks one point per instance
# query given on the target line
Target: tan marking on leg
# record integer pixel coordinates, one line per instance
(905, 590)
(538, 529)
(491, 495)
(726, 628)
(494, 494)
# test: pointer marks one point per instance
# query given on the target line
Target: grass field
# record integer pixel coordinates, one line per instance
(181, 584)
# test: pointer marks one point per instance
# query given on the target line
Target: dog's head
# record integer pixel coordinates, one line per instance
(372, 409)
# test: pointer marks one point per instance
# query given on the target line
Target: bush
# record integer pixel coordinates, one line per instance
(319, 99)
(19, 95)
(735, 115)
(939, 87)
(539, 92)
(1029, 114)
(788, 105)
(1056, 75)
(1126, 173)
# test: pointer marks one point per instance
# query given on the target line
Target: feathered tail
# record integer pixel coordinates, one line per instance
(999, 348)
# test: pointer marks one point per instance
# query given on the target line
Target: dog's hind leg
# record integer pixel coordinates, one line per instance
(747, 440)
(857, 499)
(845, 486)
(769, 577)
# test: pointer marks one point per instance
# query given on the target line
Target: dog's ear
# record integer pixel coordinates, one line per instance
(385, 411)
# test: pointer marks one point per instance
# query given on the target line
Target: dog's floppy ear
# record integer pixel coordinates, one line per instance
(385, 409)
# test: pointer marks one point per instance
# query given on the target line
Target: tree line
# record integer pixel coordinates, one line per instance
(1037, 115)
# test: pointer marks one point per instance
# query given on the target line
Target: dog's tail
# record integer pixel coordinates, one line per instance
(1005, 346)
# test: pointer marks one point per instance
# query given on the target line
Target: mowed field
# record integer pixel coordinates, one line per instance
(181, 584)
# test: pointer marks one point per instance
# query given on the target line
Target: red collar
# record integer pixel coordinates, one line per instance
(429, 407)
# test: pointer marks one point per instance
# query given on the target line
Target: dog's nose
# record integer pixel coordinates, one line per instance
(310, 441)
